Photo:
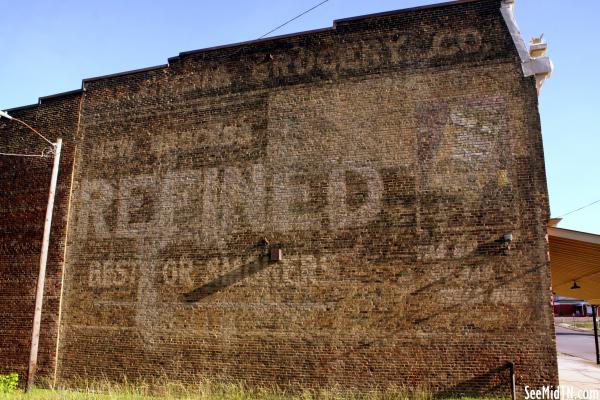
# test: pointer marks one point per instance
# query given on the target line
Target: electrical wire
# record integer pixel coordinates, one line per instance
(241, 48)
(43, 155)
(580, 208)
(28, 126)
(47, 152)
(293, 19)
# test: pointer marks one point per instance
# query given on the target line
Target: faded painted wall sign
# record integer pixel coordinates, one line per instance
(353, 55)
(144, 205)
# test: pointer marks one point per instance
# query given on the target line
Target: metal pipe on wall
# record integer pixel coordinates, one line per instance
(513, 381)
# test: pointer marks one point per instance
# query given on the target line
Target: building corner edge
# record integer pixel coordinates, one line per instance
(533, 61)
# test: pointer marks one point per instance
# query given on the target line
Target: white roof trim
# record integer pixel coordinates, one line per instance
(540, 67)
(508, 12)
(574, 235)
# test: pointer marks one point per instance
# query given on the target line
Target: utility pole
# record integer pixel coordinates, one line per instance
(595, 317)
(39, 296)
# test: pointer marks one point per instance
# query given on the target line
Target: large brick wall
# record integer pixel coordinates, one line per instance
(386, 157)
(25, 183)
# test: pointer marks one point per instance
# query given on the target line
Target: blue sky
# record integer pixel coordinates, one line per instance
(49, 46)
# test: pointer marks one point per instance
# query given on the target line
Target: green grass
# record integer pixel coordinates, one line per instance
(203, 390)
(47, 394)
(583, 324)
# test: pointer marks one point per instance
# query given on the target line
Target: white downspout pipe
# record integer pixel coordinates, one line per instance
(540, 67)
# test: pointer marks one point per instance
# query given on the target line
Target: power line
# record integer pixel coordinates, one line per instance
(23, 155)
(239, 50)
(34, 130)
(293, 19)
(580, 208)
(44, 154)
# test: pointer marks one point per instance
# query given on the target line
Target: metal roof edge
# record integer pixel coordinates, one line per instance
(574, 235)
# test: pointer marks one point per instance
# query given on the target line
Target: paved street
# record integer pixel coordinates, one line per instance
(574, 343)
(577, 359)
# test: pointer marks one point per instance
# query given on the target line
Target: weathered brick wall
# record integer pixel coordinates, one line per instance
(386, 157)
(25, 183)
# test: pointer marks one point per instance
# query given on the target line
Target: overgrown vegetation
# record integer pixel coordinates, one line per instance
(9, 383)
(204, 390)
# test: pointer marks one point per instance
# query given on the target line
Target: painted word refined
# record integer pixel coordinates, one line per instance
(209, 204)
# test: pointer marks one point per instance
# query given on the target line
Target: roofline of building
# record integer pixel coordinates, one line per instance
(251, 42)
(574, 235)
(45, 98)
(403, 11)
(130, 72)
(320, 30)
(279, 37)
(57, 95)
(22, 108)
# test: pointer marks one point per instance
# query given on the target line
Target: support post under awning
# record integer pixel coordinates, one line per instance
(594, 317)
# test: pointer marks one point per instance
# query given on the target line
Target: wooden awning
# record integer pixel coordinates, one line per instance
(575, 258)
